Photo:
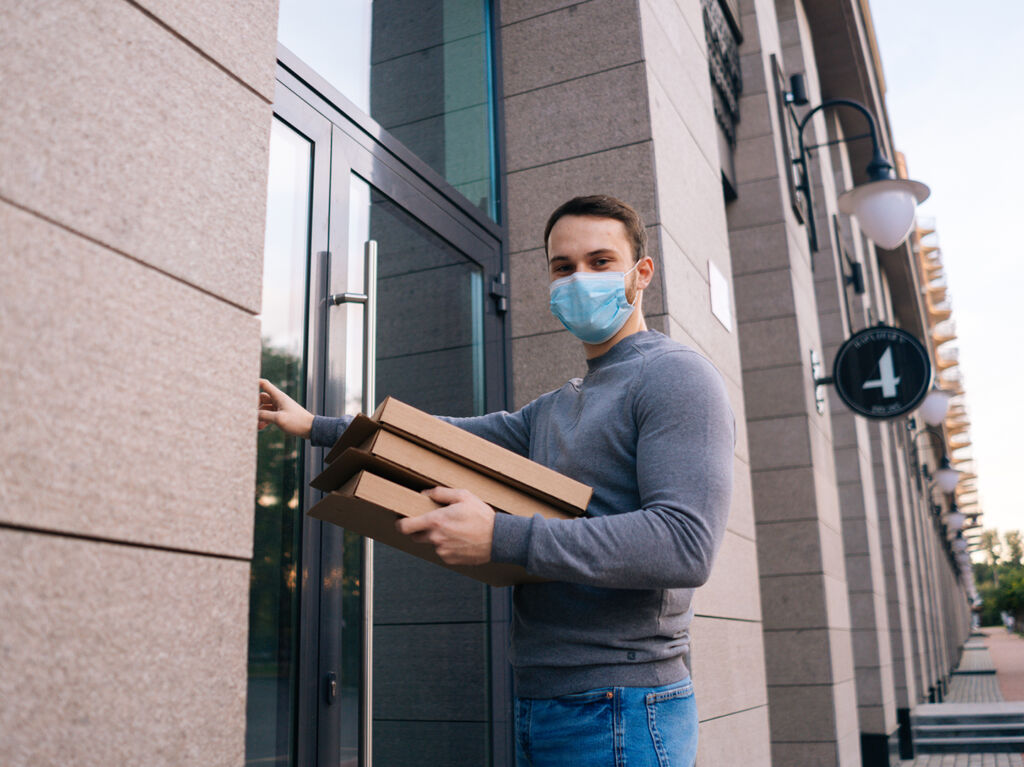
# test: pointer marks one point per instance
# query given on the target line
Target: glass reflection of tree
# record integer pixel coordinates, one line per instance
(351, 611)
(273, 599)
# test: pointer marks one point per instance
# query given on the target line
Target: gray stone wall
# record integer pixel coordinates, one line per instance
(614, 97)
(859, 487)
(807, 629)
(132, 195)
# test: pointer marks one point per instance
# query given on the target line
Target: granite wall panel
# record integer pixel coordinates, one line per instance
(123, 655)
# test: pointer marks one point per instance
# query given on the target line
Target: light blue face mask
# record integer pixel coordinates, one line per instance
(592, 305)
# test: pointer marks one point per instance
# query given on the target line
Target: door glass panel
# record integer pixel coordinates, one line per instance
(273, 596)
(421, 69)
(430, 673)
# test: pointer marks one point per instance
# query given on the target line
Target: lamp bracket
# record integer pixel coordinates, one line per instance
(847, 139)
(878, 169)
(820, 382)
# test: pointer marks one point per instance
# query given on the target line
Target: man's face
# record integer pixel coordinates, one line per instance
(588, 244)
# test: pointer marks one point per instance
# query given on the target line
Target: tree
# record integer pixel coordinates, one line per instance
(1000, 579)
(990, 545)
(1014, 549)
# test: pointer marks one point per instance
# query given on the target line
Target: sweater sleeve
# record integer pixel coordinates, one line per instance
(510, 430)
(684, 459)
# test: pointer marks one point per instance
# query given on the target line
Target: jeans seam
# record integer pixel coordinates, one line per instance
(652, 726)
(618, 727)
(526, 717)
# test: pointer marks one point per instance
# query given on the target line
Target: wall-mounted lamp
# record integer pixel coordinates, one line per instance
(955, 520)
(885, 205)
(946, 477)
(935, 406)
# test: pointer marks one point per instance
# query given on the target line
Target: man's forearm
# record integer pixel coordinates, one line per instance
(642, 549)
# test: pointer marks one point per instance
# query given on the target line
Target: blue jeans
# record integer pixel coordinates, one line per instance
(609, 727)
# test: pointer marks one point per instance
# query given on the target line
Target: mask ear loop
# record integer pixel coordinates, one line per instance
(638, 290)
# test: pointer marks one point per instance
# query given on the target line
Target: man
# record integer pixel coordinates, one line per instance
(599, 653)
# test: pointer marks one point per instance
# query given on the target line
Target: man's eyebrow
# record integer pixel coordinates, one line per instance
(597, 252)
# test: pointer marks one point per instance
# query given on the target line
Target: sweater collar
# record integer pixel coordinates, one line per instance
(618, 352)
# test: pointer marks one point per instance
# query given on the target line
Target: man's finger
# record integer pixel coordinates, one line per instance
(270, 390)
(410, 525)
(269, 416)
(445, 495)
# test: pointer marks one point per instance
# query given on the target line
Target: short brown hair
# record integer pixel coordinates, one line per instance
(603, 206)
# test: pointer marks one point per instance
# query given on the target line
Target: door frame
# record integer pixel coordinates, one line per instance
(355, 142)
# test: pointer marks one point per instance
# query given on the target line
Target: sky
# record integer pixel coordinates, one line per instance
(955, 95)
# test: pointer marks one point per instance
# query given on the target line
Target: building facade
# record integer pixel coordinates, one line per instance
(184, 190)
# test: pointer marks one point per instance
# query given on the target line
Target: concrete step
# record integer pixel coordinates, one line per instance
(969, 730)
(996, 711)
(967, 719)
(976, 728)
(972, 745)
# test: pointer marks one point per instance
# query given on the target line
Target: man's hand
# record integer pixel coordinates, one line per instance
(461, 531)
(279, 409)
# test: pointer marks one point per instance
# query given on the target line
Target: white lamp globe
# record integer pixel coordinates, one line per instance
(947, 477)
(935, 406)
(955, 521)
(959, 545)
(885, 209)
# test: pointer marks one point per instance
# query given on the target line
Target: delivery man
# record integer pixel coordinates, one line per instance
(599, 653)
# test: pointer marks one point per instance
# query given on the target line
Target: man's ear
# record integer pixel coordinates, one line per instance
(644, 272)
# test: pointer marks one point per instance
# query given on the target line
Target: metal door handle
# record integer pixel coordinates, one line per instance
(368, 298)
(369, 403)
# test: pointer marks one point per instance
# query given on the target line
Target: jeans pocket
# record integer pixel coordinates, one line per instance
(684, 690)
(672, 721)
(576, 729)
(587, 696)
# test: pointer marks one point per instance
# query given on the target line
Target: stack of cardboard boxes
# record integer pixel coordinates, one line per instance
(379, 465)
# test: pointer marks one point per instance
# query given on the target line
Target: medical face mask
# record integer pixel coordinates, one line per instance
(592, 305)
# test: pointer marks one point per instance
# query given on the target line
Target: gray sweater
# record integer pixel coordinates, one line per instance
(650, 429)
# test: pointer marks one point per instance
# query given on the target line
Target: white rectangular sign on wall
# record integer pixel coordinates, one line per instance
(721, 305)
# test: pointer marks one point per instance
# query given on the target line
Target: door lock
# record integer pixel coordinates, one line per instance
(331, 688)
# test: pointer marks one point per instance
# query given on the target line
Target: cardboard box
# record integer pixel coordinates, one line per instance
(470, 450)
(393, 457)
(369, 505)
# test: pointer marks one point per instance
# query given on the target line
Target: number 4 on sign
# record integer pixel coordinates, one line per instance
(887, 379)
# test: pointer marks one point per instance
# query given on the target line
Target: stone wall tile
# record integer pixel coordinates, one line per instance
(581, 116)
(739, 738)
(569, 42)
(120, 131)
(727, 662)
(124, 655)
(240, 35)
(731, 591)
(127, 384)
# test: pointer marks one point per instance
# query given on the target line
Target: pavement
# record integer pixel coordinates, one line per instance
(1005, 652)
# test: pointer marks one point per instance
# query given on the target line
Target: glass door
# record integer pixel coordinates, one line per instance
(362, 655)
(284, 550)
(409, 643)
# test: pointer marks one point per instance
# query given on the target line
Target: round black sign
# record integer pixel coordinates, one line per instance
(882, 372)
